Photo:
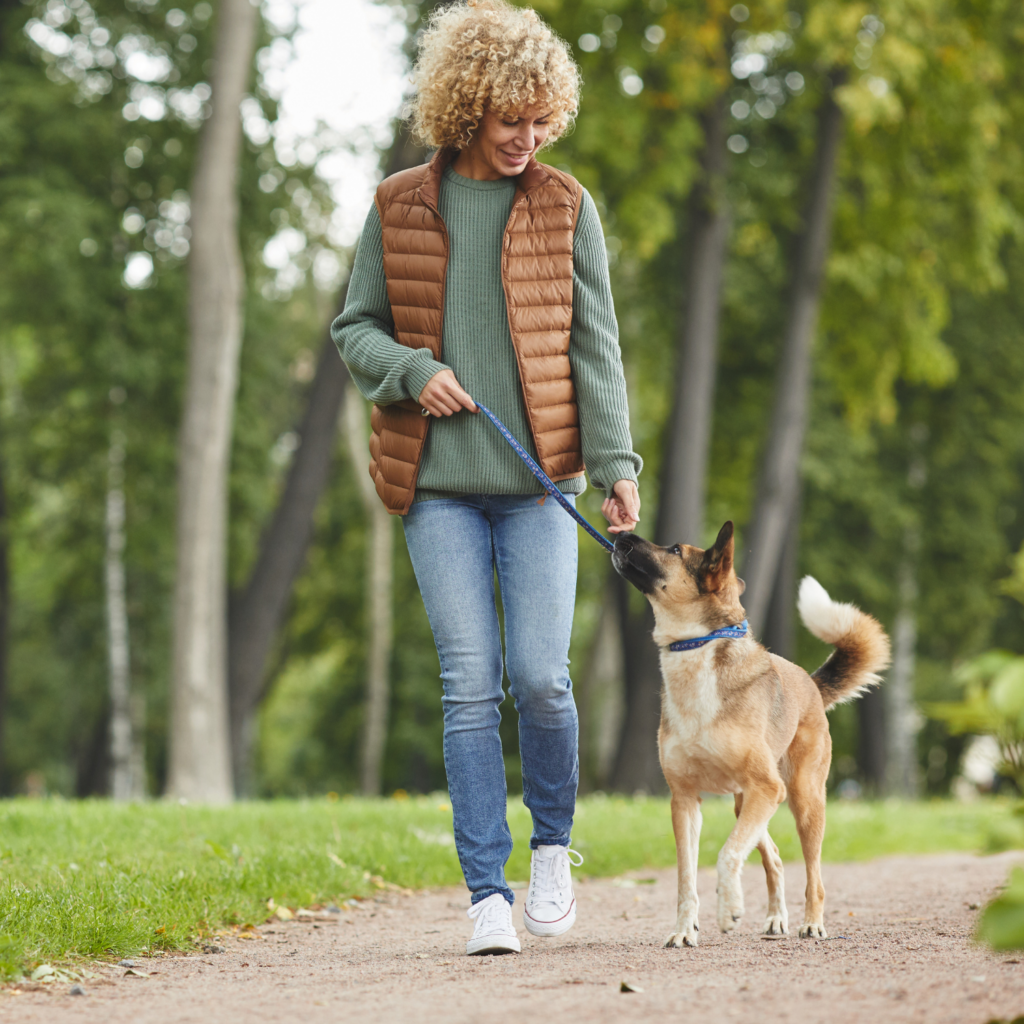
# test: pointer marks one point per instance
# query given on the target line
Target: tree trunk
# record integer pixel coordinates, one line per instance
(599, 696)
(780, 471)
(901, 715)
(871, 741)
(5, 619)
(684, 465)
(124, 785)
(779, 627)
(901, 775)
(258, 609)
(379, 601)
(637, 769)
(7, 7)
(200, 746)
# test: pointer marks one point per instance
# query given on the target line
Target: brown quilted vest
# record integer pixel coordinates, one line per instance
(536, 272)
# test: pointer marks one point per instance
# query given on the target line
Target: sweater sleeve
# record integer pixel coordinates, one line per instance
(383, 370)
(596, 359)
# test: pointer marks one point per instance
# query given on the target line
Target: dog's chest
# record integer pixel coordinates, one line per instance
(692, 701)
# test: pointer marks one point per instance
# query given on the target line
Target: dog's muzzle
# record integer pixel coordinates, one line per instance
(632, 562)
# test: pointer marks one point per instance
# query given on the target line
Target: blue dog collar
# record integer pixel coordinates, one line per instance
(725, 633)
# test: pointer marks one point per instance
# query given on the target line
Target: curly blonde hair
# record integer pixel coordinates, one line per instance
(482, 54)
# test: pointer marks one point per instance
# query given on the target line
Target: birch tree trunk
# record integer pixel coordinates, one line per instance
(200, 748)
(684, 467)
(379, 600)
(780, 470)
(901, 715)
(125, 781)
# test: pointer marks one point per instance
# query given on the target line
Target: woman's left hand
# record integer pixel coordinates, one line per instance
(622, 509)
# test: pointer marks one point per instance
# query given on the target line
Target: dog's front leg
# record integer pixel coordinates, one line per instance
(758, 805)
(686, 822)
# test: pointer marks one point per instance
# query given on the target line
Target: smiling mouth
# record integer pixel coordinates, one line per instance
(514, 158)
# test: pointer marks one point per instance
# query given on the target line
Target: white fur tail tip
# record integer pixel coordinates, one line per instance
(828, 620)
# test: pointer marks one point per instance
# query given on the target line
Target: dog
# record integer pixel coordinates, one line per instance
(737, 719)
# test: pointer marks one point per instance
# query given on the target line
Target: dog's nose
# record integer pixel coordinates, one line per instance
(624, 543)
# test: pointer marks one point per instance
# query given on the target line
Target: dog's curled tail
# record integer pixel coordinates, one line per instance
(861, 645)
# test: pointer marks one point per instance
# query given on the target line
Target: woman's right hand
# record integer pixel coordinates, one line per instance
(443, 395)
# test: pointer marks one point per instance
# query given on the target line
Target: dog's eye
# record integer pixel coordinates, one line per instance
(675, 550)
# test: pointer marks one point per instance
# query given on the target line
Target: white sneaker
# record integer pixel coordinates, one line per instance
(494, 932)
(551, 903)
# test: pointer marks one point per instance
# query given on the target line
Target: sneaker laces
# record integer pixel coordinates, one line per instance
(550, 875)
(488, 914)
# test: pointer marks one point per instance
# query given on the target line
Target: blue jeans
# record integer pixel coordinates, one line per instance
(455, 545)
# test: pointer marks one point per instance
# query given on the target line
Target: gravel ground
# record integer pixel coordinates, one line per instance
(900, 950)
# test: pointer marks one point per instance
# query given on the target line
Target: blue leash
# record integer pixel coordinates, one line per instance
(545, 481)
(725, 633)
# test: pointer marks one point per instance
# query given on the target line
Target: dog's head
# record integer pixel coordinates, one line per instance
(691, 590)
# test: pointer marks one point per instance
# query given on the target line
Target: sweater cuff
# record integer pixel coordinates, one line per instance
(612, 472)
(420, 368)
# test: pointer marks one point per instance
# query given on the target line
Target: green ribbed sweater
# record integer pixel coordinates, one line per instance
(464, 454)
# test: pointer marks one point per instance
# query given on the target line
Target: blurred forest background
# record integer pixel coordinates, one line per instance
(814, 215)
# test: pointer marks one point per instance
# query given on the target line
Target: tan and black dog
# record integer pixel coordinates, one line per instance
(736, 719)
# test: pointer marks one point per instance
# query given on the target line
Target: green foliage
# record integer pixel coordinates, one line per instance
(917, 420)
(993, 701)
(100, 880)
(1002, 922)
(95, 167)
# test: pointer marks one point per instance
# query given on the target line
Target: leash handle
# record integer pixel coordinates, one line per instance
(545, 481)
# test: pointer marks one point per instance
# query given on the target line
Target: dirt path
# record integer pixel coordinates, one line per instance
(899, 951)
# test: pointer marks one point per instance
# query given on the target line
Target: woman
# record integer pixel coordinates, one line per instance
(483, 275)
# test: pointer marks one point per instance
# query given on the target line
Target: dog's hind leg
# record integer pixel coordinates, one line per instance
(807, 802)
(760, 800)
(777, 921)
(686, 822)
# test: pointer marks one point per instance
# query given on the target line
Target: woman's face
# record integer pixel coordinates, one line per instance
(504, 143)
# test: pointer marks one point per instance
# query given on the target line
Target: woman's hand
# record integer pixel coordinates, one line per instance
(443, 395)
(622, 509)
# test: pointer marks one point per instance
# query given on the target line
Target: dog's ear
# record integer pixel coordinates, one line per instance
(743, 585)
(717, 562)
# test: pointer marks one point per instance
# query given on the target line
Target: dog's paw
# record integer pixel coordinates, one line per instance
(684, 938)
(813, 930)
(686, 930)
(776, 924)
(730, 906)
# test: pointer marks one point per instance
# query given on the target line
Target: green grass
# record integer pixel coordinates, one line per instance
(98, 879)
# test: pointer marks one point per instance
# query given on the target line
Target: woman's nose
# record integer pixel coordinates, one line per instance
(526, 139)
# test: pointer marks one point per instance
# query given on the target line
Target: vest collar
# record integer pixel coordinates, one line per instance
(531, 177)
